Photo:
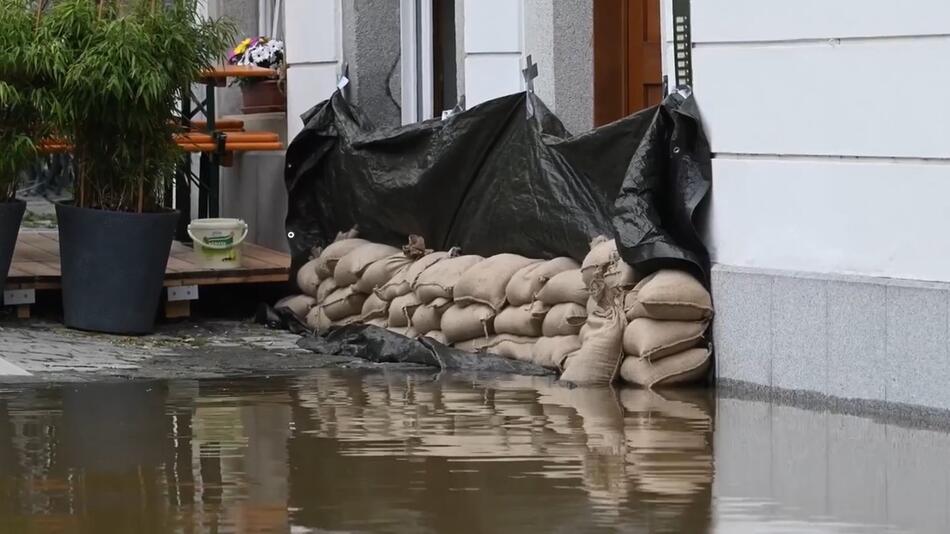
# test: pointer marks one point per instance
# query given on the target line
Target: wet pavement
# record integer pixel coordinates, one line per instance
(389, 450)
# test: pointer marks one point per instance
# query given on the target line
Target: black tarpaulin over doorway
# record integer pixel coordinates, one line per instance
(505, 176)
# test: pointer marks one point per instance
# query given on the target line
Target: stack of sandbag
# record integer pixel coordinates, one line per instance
(541, 309)
(598, 359)
(347, 281)
(398, 292)
(432, 301)
(481, 297)
(669, 313)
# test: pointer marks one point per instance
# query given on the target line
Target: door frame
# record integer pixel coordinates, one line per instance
(416, 81)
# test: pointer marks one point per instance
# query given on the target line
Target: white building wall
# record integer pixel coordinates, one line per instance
(829, 124)
(314, 52)
(493, 43)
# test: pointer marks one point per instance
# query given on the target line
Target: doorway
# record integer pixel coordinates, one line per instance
(628, 72)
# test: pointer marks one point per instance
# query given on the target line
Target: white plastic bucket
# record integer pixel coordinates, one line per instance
(217, 242)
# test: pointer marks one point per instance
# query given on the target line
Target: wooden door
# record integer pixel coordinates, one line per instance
(628, 73)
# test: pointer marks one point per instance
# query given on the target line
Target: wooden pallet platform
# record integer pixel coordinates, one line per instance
(36, 266)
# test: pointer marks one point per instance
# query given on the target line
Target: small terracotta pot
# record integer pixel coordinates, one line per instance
(263, 96)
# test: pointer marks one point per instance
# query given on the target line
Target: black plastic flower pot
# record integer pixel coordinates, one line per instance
(113, 266)
(11, 214)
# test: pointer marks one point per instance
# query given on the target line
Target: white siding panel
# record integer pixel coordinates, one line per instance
(492, 26)
(491, 76)
(772, 20)
(307, 86)
(311, 28)
(867, 98)
(868, 218)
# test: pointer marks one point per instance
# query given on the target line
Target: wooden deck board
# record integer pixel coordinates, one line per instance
(36, 265)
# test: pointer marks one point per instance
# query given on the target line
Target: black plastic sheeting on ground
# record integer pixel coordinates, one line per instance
(505, 176)
(379, 345)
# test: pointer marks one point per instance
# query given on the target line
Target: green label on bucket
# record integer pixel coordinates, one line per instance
(219, 240)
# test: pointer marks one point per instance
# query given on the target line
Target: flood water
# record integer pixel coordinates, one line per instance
(349, 451)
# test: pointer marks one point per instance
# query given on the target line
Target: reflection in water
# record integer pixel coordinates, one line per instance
(347, 450)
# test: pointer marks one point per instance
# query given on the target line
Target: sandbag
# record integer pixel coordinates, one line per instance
(343, 302)
(652, 339)
(567, 286)
(318, 320)
(550, 352)
(307, 279)
(472, 345)
(374, 308)
(381, 322)
(598, 359)
(299, 305)
(564, 320)
(401, 282)
(672, 295)
(382, 271)
(686, 367)
(631, 307)
(407, 331)
(440, 279)
(519, 321)
(486, 282)
(513, 347)
(351, 267)
(401, 309)
(469, 322)
(332, 254)
(528, 281)
(428, 317)
(438, 336)
(325, 288)
(603, 253)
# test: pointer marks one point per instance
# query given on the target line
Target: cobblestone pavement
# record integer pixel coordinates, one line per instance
(46, 351)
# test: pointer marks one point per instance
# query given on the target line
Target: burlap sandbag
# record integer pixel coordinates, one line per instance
(567, 286)
(332, 254)
(519, 321)
(382, 271)
(671, 295)
(485, 282)
(401, 309)
(678, 369)
(471, 345)
(343, 302)
(352, 266)
(438, 336)
(603, 253)
(307, 279)
(564, 320)
(598, 359)
(550, 352)
(325, 288)
(469, 322)
(652, 339)
(528, 281)
(401, 282)
(407, 331)
(381, 322)
(299, 305)
(428, 317)
(317, 320)
(374, 308)
(440, 279)
(513, 347)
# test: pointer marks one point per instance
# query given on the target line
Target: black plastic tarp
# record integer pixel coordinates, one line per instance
(505, 176)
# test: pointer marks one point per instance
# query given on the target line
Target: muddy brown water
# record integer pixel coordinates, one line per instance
(357, 451)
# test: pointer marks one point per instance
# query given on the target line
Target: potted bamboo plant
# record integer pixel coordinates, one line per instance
(24, 97)
(123, 64)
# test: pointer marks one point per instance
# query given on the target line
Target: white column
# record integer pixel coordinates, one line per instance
(494, 40)
(314, 51)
